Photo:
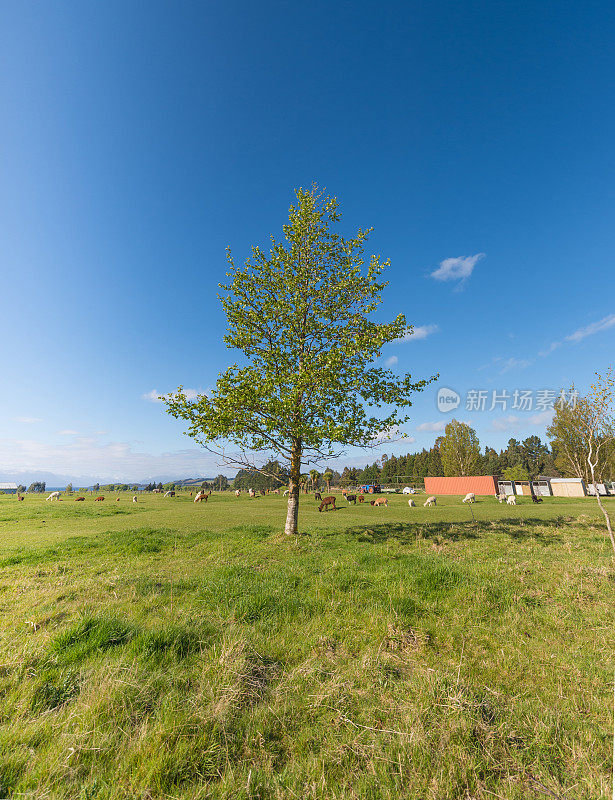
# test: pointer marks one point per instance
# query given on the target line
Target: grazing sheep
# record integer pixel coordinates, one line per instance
(53, 496)
(251, 493)
(380, 501)
(327, 503)
(411, 503)
(134, 498)
(98, 499)
(501, 497)
(170, 493)
(511, 500)
(79, 499)
(237, 492)
(469, 498)
(431, 501)
(285, 493)
(202, 495)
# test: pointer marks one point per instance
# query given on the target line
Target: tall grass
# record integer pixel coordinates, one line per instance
(185, 652)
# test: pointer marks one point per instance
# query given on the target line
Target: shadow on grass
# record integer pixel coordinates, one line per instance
(545, 531)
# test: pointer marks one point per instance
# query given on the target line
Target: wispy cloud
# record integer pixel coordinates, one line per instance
(418, 332)
(514, 423)
(28, 420)
(432, 426)
(103, 461)
(515, 363)
(391, 361)
(154, 395)
(391, 434)
(68, 432)
(589, 330)
(581, 333)
(456, 269)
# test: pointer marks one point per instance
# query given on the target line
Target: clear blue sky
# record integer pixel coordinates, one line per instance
(139, 139)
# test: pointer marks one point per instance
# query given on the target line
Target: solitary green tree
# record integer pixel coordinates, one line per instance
(459, 449)
(301, 316)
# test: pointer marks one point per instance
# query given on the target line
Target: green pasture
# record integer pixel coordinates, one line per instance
(170, 650)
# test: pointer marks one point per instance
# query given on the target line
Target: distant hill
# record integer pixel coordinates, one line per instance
(192, 481)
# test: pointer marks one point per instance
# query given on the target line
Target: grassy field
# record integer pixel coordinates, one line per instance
(167, 650)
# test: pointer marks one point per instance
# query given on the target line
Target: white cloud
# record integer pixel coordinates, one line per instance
(514, 423)
(582, 333)
(509, 423)
(456, 269)
(154, 395)
(28, 420)
(68, 432)
(432, 426)
(589, 330)
(542, 418)
(391, 361)
(389, 435)
(515, 363)
(113, 461)
(420, 332)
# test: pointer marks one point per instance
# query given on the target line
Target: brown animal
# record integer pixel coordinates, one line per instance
(317, 496)
(326, 503)
(201, 496)
(20, 497)
(96, 499)
(380, 501)
(361, 498)
(352, 498)
(79, 499)
(117, 499)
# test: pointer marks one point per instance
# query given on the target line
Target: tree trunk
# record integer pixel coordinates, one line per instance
(292, 514)
(602, 508)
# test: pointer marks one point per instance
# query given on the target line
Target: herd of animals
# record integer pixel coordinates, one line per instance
(326, 503)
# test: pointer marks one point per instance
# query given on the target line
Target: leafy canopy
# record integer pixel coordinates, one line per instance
(300, 314)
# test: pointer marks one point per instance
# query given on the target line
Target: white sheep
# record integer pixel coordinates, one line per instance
(134, 498)
(469, 498)
(251, 493)
(511, 500)
(285, 493)
(431, 501)
(53, 496)
(411, 503)
(501, 497)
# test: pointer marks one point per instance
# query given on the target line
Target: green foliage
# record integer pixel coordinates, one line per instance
(516, 473)
(301, 316)
(459, 449)
(37, 487)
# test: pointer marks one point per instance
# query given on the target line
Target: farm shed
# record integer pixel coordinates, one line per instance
(8, 487)
(568, 487)
(479, 484)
